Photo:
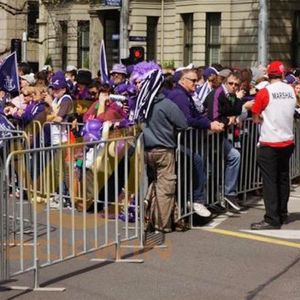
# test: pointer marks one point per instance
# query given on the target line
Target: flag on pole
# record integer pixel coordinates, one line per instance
(103, 63)
(9, 79)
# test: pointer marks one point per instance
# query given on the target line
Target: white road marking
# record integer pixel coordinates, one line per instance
(281, 234)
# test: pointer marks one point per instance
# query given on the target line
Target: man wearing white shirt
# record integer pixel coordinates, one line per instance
(274, 108)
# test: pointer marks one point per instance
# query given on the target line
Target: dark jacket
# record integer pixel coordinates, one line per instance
(162, 123)
(186, 104)
(220, 106)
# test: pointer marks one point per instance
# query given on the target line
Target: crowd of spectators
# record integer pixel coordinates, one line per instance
(208, 98)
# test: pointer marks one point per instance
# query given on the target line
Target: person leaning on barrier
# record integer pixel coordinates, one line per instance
(62, 105)
(224, 105)
(181, 95)
(163, 120)
(276, 145)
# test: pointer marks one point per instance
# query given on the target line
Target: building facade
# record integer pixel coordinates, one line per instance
(172, 32)
(19, 30)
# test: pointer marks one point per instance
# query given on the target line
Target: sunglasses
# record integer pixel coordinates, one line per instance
(192, 80)
(233, 83)
(93, 93)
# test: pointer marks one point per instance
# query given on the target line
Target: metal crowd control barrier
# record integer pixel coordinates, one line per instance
(110, 179)
(3, 230)
(295, 159)
(249, 178)
(14, 140)
(210, 147)
(210, 150)
(95, 182)
(11, 140)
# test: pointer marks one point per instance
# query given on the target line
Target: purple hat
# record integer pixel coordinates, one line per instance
(58, 81)
(118, 68)
(290, 79)
(176, 76)
(209, 71)
(142, 69)
(125, 88)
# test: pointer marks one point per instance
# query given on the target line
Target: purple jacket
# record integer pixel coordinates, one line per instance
(30, 112)
(186, 104)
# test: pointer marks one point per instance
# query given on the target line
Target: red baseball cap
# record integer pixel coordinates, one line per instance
(276, 67)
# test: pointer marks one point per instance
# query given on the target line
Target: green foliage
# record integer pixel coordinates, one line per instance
(86, 62)
(48, 60)
(168, 64)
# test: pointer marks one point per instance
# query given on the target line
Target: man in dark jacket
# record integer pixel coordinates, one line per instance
(182, 96)
(160, 143)
(161, 118)
(224, 105)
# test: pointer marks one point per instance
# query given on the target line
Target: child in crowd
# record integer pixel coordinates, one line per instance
(84, 79)
(62, 105)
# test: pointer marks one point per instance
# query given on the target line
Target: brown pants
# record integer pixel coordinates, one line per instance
(162, 163)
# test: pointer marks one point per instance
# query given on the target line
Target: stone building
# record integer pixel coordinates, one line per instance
(18, 24)
(173, 32)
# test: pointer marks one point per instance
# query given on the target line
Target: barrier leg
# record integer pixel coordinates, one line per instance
(118, 257)
(37, 287)
(118, 254)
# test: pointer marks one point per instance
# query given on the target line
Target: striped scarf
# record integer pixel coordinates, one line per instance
(200, 95)
(150, 87)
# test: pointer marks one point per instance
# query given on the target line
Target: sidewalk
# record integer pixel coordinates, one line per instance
(223, 260)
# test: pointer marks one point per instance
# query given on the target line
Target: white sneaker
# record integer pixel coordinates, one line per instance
(54, 202)
(201, 210)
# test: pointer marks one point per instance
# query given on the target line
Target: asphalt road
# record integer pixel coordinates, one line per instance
(223, 260)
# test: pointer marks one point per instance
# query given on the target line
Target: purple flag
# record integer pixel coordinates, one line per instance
(9, 79)
(103, 64)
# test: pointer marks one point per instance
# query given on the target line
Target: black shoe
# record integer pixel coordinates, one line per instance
(262, 225)
(284, 219)
(217, 208)
(232, 201)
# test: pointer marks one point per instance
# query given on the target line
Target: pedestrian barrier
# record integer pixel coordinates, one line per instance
(202, 148)
(249, 178)
(85, 197)
(12, 141)
(108, 198)
(295, 158)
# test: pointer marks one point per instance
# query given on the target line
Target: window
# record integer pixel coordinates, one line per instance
(112, 37)
(64, 43)
(213, 38)
(187, 38)
(151, 37)
(296, 39)
(33, 15)
(83, 44)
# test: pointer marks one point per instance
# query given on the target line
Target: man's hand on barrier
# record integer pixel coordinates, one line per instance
(232, 120)
(216, 126)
